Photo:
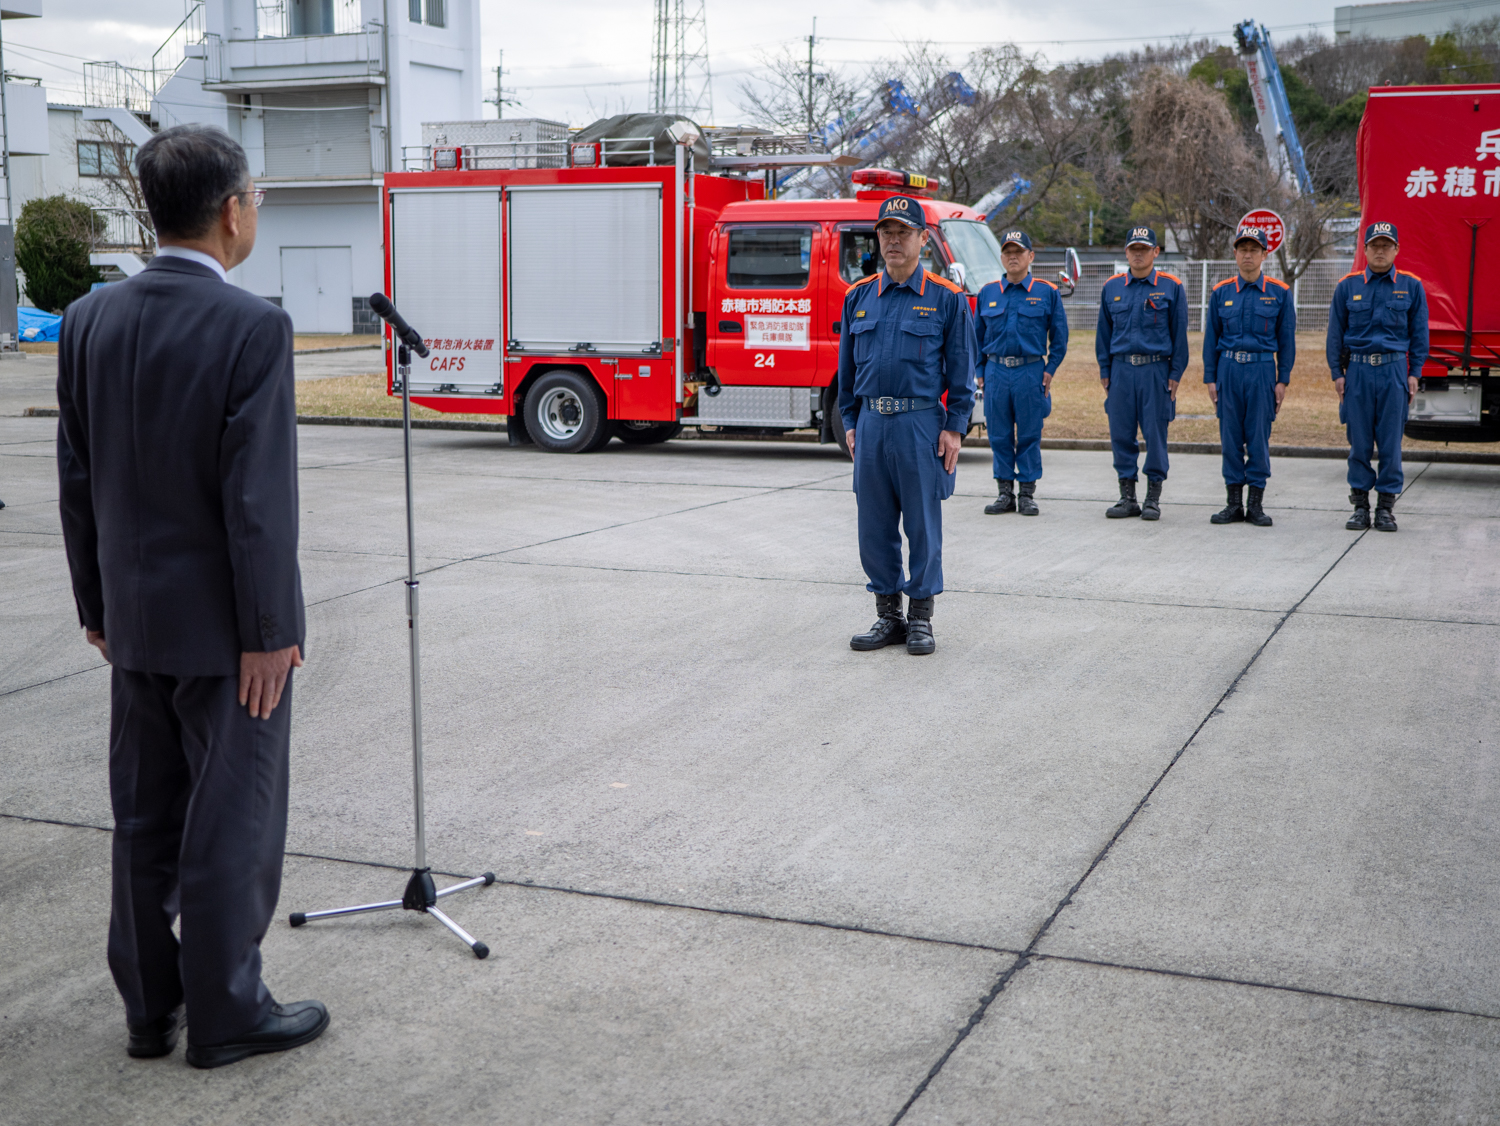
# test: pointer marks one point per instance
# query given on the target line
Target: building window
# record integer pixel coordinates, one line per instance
(103, 158)
(436, 15)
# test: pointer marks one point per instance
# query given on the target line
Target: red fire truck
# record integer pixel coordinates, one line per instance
(1429, 161)
(597, 300)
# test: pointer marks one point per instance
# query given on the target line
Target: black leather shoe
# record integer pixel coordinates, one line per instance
(1151, 506)
(1385, 520)
(889, 627)
(1233, 511)
(1360, 499)
(1026, 502)
(156, 1038)
(1126, 505)
(919, 640)
(1254, 513)
(1005, 501)
(285, 1026)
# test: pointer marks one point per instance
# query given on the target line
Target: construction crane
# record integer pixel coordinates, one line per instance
(1002, 195)
(1277, 129)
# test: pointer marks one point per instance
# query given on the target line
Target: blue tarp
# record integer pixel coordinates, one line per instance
(34, 325)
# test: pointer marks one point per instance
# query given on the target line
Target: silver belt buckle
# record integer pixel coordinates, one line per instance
(1242, 357)
(886, 405)
(1376, 359)
(1012, 361)
(1136, 360)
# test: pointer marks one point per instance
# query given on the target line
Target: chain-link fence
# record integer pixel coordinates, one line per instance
(1311, 293)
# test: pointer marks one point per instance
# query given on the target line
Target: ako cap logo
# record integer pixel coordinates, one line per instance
(1141, 236)
(1252, 234)
(1381, 230)
(1019, 237)
(903, 209)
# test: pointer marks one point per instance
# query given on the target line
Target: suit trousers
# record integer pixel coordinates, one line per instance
(1138, 399)
(199, 791)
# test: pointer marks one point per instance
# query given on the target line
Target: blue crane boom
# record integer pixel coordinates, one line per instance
(1277, 129)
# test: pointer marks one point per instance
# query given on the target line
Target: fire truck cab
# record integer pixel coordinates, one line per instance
(596, 301)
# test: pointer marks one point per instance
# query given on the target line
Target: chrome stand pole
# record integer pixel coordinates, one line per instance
(421, 893)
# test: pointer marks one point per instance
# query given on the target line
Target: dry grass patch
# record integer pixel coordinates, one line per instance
(364, 396)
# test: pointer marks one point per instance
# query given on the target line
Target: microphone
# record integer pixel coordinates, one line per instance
(409, 336)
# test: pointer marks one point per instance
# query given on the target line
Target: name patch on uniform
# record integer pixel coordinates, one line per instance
(1229, 302)
(925, 308)
(860, 313)
(992, 304)
(1359, 297)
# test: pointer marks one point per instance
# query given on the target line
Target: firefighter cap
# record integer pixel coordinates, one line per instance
(1381, 230)
(1256, 235)
(903, 209)
(1020, 238)
(1141, 236)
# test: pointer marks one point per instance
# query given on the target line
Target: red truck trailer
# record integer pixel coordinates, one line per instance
(599, 301)
(1429, 161)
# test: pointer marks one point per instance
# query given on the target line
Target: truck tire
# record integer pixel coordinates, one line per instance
(565, 413)
(646, 433)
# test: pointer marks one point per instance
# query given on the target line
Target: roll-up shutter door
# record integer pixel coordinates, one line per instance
(585, 267)
(445, 278)
(318, 133)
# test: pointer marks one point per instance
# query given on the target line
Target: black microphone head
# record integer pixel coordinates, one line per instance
(381, 304)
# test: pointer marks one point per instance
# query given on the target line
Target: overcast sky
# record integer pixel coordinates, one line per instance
(575, 60)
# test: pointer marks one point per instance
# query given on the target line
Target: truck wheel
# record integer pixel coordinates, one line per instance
(646, 433)
(565, 413)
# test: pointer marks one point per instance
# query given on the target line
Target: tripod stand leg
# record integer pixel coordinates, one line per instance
(478, 881)
(300, 917)
(479, 948)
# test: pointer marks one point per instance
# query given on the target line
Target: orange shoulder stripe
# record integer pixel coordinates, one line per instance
(863, 281)
(1044, 281)
(1112, 277)
(1278, 281)
(1409, 274)
(1174, 277)
(1225, 282)
(1353, 274)
(944, 282)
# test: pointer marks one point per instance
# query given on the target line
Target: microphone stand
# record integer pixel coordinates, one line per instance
(421, 893)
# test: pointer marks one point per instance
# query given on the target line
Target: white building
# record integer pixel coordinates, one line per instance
(324, 95)
(1409, 17)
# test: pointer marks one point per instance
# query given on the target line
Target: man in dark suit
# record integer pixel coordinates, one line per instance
(177, 457)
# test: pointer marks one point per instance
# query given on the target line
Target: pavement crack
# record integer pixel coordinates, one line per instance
(53, 680)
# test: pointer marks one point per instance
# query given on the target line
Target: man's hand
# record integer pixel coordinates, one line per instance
(979, 382)
(96, 639)
(1172, 389)
(1280, 393)
(949, 443)
(849, 437)
(1104, 381)
(1411, 389)
(263, 676)
(1213, 393)
(1047, 380)
(1338, 385)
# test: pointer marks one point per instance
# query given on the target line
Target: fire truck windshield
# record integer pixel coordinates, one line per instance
(973, 244)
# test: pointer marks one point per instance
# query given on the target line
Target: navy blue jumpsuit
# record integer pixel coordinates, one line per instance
(1141, 345)
(1016, 323)
(1377, 335)
(1249, 345)
(907, 343)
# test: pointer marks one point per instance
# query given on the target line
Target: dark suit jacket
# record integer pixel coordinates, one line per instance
(177, 458)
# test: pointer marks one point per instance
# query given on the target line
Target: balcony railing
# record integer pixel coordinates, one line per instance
(286, 19)
(169, 56)
(124, 228)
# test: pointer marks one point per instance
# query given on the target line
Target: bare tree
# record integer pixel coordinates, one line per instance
(117, 186)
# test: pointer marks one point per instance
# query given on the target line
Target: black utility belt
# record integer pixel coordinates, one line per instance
(1136, 361)
(887, 405)
(1375, 359)
(1248, 357)
(1016, 361)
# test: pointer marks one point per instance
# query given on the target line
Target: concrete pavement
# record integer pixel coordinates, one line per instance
(1180, 823)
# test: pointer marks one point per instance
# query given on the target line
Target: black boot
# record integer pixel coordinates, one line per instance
(1385, 521)
(919, 627)
(1026, 503)
(1005, 502)
(1360, 499)
(1151, 506)
(889, 628)
(1126, 506)
(1254, 513)
(1234, 511)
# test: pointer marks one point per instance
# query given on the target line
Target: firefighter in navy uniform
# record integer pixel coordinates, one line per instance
(1018, 316)
(1377, 344)
(1142, 348)
(1249, 347)
(907, 338)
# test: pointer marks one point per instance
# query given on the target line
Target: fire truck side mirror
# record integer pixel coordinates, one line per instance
(956, 274)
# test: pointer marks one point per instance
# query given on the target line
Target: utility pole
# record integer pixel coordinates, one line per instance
(499, 89)
(810, 40)
(9, 327)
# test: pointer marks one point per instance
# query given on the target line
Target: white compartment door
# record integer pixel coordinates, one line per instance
(585, 267)
(445, 280)
(317, 288)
